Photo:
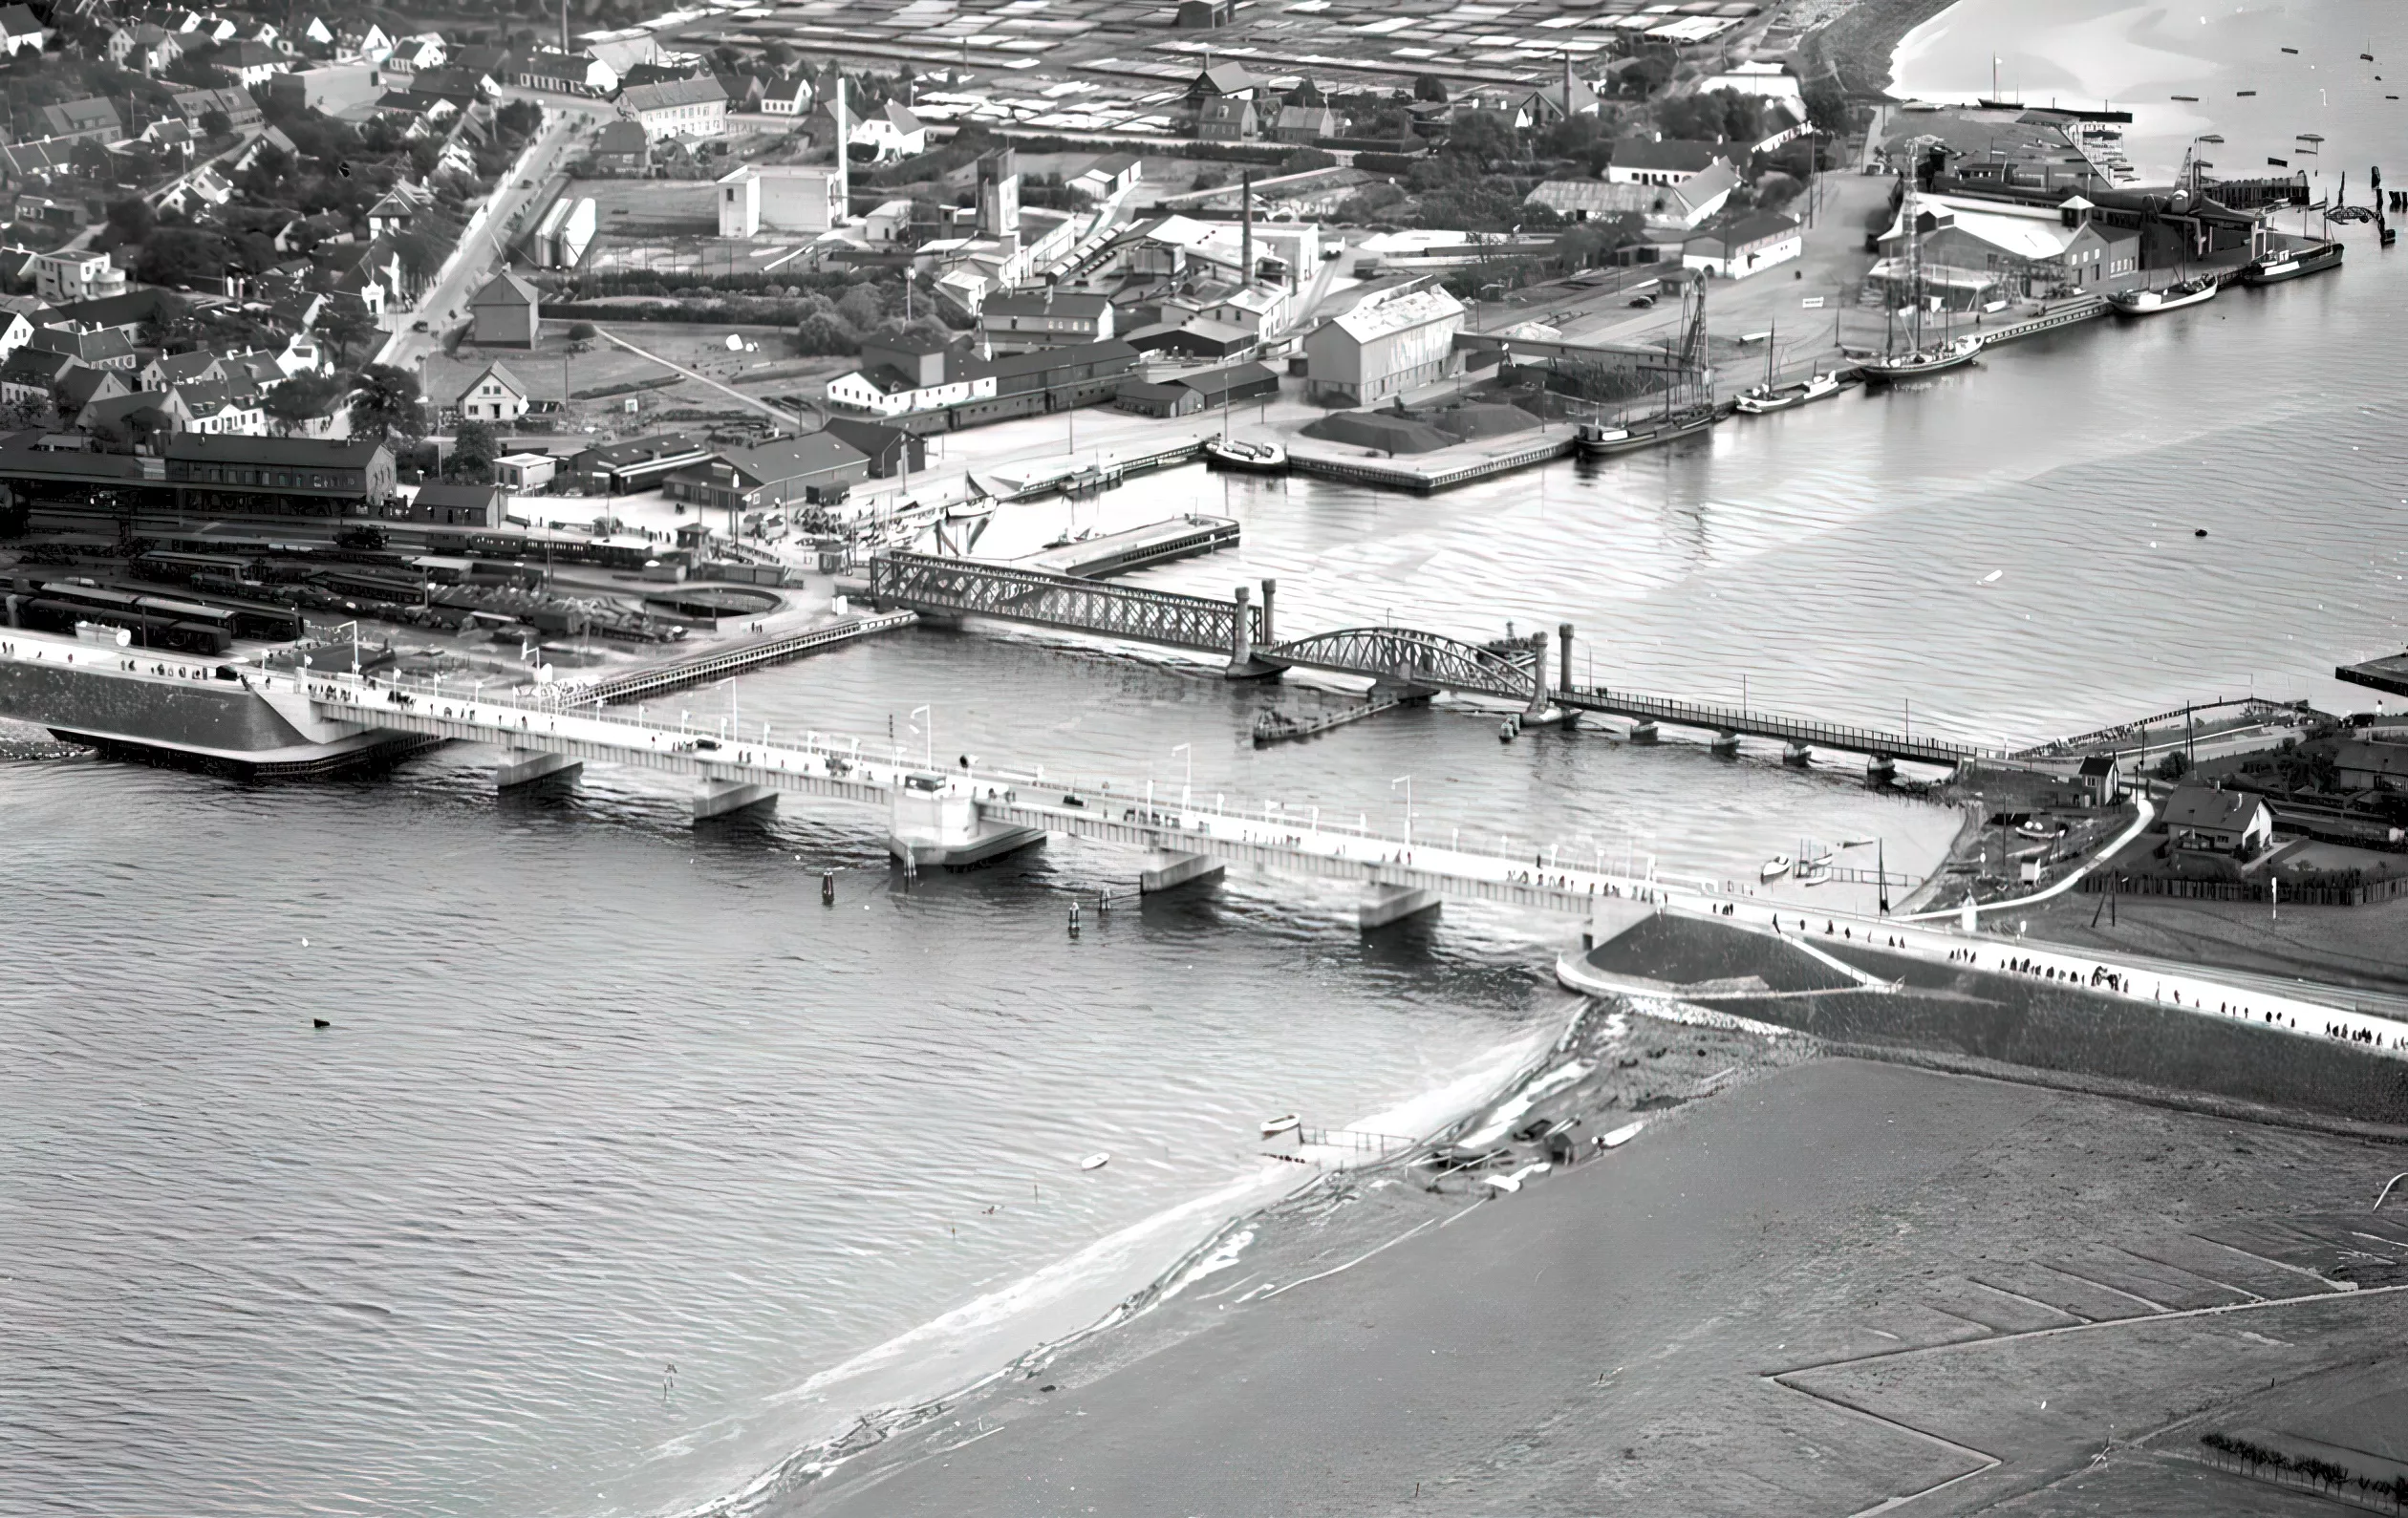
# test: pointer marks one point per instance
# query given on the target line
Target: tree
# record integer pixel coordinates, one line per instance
(387, 405)
(215, 124)
(861, 308)
(182, 255)
(131, 219)
(1430, 88)
(300, 400)
(474, 448)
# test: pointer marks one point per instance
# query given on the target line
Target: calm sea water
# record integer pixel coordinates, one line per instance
(605, 1095)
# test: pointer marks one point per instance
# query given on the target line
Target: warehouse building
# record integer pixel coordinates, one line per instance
(1397, 340)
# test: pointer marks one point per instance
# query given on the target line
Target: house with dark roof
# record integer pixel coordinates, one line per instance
(2220, 822)
(504, 313)
(240, 110)
(33, 374)
(636, 464)
(92, 119)
(1227, 118)
(2101, 779)
(79, 387)
(20, 31)
(169, 370)
(621, 147)
(890, 450)
(129, 314)
(103, 347)
(493, 394)
(1023, 321)
(251, 61)
(1669, 160)
(1737, 247)
(460, 505)
(816, 466)
(1223, 81)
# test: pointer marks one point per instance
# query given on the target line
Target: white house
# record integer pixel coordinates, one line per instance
(375, 46)
(495, 395)
(423, 51)
(788, 97)
(891, 223)
(890, 132)
(59, 277)
(783, 198)
(693, 107)
(1742, 245)
(20, 31)
(1646, 161)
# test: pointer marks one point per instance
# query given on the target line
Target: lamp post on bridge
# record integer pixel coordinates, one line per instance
(1406, 780)
(928, 733)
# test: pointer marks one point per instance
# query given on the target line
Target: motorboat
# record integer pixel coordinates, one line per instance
(1273, 1127)
(2291, 263)
(2172, 297)
(1757, 399)
(1095, 1162)
(1246, 458)
(1774, 868)
(1604, 440)
(1892, 369)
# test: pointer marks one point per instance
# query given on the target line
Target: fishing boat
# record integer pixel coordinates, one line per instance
(1890, 368)
(1273, 1127)
(1621, 1135)
(1604, 440)
(1688, 405)
(1774, 868)
(1757, 399)
(2172, 297)
(2278, 265)
(1245, 458)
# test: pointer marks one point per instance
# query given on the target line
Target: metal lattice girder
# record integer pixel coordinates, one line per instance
(925, 582)
(1406, 657)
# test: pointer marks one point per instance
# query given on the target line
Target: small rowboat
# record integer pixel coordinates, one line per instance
(1095, 1162)
(1621, 1135)
(1774, 868)
(1275, 1126)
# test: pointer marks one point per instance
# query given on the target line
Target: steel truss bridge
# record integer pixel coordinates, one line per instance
(1402, 659)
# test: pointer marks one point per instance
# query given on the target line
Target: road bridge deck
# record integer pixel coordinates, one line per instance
(1805, 731)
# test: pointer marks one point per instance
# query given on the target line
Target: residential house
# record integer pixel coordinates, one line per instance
(217, 409)
(426, 50)
(2101, 779)
(15, 327)
(1552, 103)
(494, 394)
(20, 31)
(887, 224)
(622, 147)
(1204, 15)
(525, 471)
(1226, 120)
(1023, 321)
(239, 108)
(373, 45)
(393, 211)
(103, 348)
(1223, 81)
(2370, 764)
(624, 48)
(81, 386)
(33, 376)
(504, 313)
(137, 418)
(566, 73)
(1737, 247)
(143, 46)
(695, 107)
(272, 141)
(128, 313)
(1658, 160)
(1305, 123)
(744, 91)
(2220, 822)
(40, 210)
(491, 67)
(890, 132)
(418, 115)
(250, 62)
(92, 119)
(40, 160)
(816, 466)
(170, 370)
(203, 186)
(170, 136)
(59, 277)
(460, 505)
(461, 87)
(790, 95)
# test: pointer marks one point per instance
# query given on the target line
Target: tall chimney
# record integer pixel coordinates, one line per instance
(844, 150)
(1567, 87)
(564, 26)
(1245, 214)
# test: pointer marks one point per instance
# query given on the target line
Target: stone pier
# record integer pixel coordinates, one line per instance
(937, 822)
(1726, 746)
(1798, 755)
(1643, 733)
(719, 798)
(1169, 868)
(1383, 905)
(522, 766)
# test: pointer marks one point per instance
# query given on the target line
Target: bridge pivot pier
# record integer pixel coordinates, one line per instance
(1242, 663)
(931, 824)
(1643, 733)
(524, 766)
(1798, 755)
(1880, 770)
(1725, 745)
(719, 798)
(1170, 869)
(1383, 905)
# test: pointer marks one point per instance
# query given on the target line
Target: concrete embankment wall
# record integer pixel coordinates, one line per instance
(2036, 1024)
(190, 716)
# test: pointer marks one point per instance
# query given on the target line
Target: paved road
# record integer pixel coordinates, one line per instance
(483, 248)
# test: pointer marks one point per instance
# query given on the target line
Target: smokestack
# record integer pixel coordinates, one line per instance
(844, 150)
(1245, 213)
(564, 26)
(1567, 87)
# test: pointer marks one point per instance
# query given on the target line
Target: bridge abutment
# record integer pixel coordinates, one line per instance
(1643, 733)
(1170, 869)
(1880, 770)
(1798, 755)
(1725, 745)
(1383, 905)
(524, 766)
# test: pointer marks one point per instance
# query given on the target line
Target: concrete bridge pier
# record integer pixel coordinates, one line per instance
(719, 798)
(1169, 868)
(1542, 710)
(1798, 755)
(1725, 745)
(522, 766)
(1242, 663)
(1880, 770)
(1643, 733)
(1383, 905)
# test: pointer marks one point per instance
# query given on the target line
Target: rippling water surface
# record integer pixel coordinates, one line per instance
(621, 1144)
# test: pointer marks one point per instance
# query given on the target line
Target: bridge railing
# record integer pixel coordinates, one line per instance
(1765, 724)
(927, 582)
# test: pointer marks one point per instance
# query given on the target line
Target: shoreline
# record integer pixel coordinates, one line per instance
(880, 1424)
(1859, 46)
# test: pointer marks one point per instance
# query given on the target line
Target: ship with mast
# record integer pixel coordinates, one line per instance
(1688, 407)
(1923, 356)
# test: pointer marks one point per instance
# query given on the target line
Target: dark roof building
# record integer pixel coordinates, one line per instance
(890, 450)
(811, 467)
(638, 463)
(2225, 821)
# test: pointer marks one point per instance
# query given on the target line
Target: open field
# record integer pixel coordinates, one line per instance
(596, 384)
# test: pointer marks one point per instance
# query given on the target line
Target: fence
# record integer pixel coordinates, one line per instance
(2361, 894)
(1360, 1140)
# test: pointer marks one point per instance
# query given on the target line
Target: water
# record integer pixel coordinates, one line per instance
(605, 1095)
